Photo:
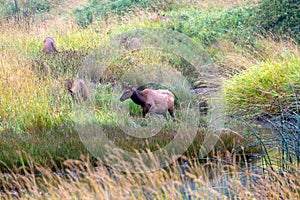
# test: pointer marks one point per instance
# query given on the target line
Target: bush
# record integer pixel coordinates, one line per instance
(24, 12)
(21, 7)
(280, 17)
(84, 16)
(102, 9)
(208, 26)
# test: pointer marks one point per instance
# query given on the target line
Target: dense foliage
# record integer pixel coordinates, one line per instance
(211, 25)
(24, 12)
(279, 17)
(97, 10)
(11, 9)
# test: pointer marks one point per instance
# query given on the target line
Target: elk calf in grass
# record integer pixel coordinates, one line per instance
(133, 44)
(49, 46)
(77, 89)
(156, 17)
(153, 101)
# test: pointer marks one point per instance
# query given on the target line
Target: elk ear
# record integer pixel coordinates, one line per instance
(125, 85)
(129, 86)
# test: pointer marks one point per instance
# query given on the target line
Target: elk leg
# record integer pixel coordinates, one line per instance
(145, 111)
(171, 111)
(72, 94)
(165, 116)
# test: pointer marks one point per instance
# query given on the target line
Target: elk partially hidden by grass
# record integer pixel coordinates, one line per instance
(156, 17)
(77, 89)
(49, 46)
(131, 44)
(153, 101)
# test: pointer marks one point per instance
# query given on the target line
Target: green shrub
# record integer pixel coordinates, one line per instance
(24, 12)
(210, 25)
(29, 8)
(84, 16)
(98, 10)
(280, 17)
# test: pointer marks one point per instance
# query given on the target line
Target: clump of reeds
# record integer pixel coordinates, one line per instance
(260, 87)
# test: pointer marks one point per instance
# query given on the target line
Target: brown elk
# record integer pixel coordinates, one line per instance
(49, 46)
(153, 101)
(156, 17)
(132, 44)
(77, 89)
(68, 84)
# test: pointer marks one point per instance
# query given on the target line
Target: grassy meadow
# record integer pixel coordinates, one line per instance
(248, 71)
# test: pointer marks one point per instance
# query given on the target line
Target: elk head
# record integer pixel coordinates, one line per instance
(127, 92)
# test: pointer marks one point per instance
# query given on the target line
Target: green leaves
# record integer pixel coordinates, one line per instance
(280, 17)
(210, 25)
(102, 9)
(25, 7)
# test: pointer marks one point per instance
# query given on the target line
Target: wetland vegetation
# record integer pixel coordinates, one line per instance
(240, 58)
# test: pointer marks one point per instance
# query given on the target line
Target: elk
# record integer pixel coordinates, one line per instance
(77, 89)
(156, 17)
(132, 44)
(153, 101)
(49, 46)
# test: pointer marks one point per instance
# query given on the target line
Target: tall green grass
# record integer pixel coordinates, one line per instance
(266, 84)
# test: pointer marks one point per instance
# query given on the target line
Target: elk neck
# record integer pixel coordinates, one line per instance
(138, 97)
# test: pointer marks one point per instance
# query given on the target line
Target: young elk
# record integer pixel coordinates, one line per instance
(155, 101)
(49, 46)
(133, 44)
(156, 17)
(77, 89)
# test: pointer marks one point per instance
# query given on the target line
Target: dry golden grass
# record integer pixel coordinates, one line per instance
(232, 59)
(216, 180)
(27, 101)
